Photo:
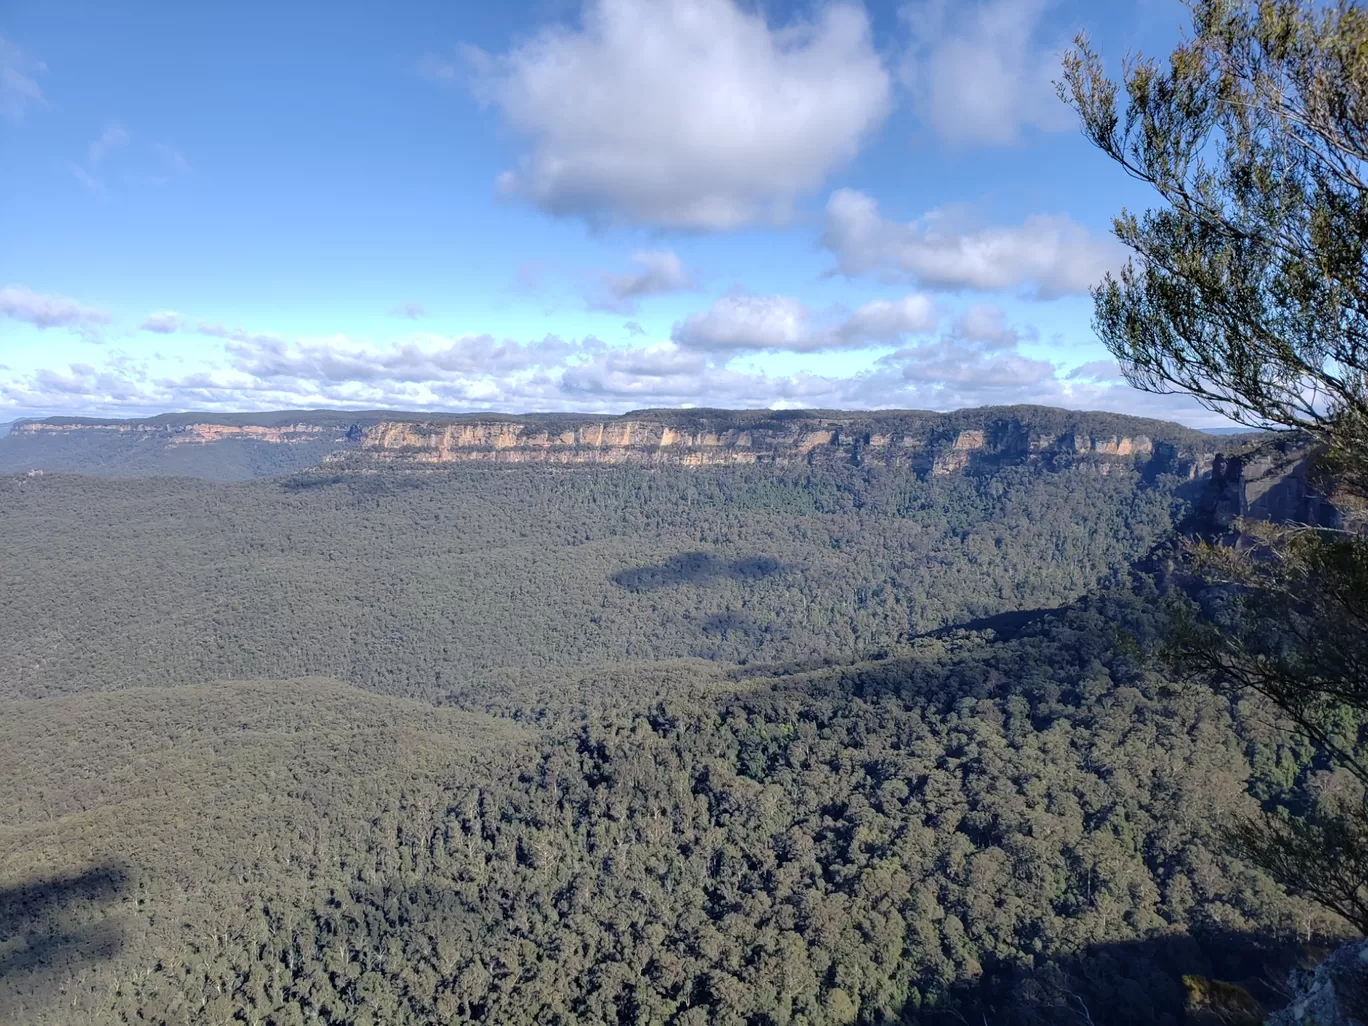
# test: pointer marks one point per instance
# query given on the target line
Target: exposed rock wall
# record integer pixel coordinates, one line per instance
(1275, 482)
(1334, 994)
(180, 434)
(931, 443)
(648, 441)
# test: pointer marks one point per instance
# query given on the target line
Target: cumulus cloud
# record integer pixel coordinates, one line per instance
(409, 311)
(886, 320)
(113, 137)
(951, 372)
(665, 374)
(987, 325)
(742, 322)
(587, 376)
(428, 358)
(49, 311)
(975, 360)
(659, 272)
(19, 90)
(682, 113)
(163, 323)
(633, 329)
(980, 72)
(1046, 256)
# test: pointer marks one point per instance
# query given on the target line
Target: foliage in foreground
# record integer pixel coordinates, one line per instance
(1249, 292)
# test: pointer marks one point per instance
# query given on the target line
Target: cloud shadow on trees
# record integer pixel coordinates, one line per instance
(50, 927)
(697, 568)
(1136, 983)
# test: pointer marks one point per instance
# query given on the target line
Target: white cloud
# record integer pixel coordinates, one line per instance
(633, 329)
(660, 272)
(19, 91)
(85, 177)
(1045, 256)
(421, 359)
(235, 334)
(683, 113)
(888, 320)
(163, 323)
(742, 322)
(173, 157)
(49, 311)
(112, 138)
(480, 373)
(1096, 370)
(979, 72)
(975, 361)
(746, 322)
(987, 325)
(972, 374)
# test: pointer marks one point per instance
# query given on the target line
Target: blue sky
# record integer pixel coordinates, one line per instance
(594, 206)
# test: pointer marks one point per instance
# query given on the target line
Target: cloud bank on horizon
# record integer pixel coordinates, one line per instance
(652, 203)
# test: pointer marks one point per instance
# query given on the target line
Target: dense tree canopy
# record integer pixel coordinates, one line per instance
(608, 746)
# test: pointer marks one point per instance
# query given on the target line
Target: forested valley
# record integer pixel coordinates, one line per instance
(1012, 715)
(402, 582)
(751, 745)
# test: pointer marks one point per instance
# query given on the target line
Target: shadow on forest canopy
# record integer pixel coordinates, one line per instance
(51, 926)
(695, 568)
(1212, 976)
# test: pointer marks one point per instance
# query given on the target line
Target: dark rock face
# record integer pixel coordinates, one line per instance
(1334, 994)
(1273, 482)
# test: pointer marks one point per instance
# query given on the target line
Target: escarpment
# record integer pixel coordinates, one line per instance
(1281, 481)
(934, 444)
(180, 434)
(240, 446)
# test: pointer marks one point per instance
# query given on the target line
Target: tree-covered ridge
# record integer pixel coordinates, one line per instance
(230, 447)
(1042, 418)
(405, 583)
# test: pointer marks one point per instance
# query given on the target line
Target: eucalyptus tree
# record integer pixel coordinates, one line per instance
(1247, 289)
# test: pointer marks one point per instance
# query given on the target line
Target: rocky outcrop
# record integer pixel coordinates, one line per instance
(1276, 482)
(1335, 993)
(1209, 1002)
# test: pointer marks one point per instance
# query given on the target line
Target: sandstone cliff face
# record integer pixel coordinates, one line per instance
(930, 443)
(1274, 482)
(179, 434)
(924, 443)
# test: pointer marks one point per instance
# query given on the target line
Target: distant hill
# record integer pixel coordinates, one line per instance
(241, 446)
